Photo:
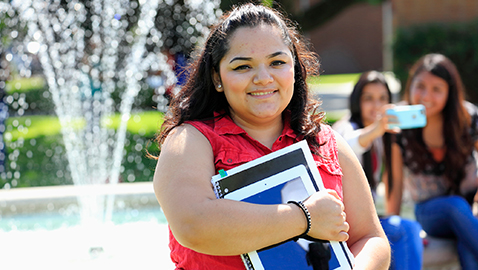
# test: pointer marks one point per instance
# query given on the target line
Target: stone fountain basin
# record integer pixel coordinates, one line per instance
(126, 244)
(47, 199)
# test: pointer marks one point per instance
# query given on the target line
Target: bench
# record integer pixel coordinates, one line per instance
(438, 253)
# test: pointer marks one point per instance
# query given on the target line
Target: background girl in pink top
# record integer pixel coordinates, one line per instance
(438, 163)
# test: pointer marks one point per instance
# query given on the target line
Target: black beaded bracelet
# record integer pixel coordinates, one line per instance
(306, 213)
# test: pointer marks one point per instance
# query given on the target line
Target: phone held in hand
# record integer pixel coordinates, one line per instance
(409, 116)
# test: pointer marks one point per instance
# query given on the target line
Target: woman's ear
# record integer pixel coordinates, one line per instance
(217, 82)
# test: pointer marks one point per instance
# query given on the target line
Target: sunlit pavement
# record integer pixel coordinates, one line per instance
(140, 245)
(132, 245)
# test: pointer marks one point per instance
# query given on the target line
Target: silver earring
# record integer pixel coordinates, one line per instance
(219, 86)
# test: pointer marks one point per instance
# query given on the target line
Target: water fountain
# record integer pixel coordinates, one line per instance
(90, 52)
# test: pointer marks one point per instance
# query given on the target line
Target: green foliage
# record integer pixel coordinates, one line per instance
(35, 93)
(267, 3)
(41, 161)
(458, 42)
(38, 99)
(334, 78)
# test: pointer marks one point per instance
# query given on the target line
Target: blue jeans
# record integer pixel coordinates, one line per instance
(451, 217)
(405, 241)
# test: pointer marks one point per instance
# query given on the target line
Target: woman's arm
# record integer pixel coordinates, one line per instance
(361, 139)
(394, 198)
(381, 125)
(346, 129)
(199, 221)
(367, 240)
(182, 183)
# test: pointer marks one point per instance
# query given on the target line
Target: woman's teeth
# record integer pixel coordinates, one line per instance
(262, 93)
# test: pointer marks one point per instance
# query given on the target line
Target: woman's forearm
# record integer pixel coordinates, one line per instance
(371, 253)
(226, 227)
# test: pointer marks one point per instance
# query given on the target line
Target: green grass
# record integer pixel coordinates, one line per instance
(145, 123)
(29, 127)
(25, 84)
(334, 78)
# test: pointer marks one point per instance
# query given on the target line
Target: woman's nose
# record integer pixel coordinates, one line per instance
(378, 104)
(425, 94)
(262, 76)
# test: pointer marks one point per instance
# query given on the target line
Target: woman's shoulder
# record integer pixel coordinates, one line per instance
(185, 131)
(344, 125)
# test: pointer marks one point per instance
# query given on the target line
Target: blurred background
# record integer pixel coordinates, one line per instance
(84, 85)
(350, 36)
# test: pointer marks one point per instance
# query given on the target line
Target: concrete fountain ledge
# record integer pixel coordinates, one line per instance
(42, 199)
(34, 193)
(139, 244)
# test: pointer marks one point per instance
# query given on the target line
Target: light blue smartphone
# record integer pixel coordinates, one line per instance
(409, 116)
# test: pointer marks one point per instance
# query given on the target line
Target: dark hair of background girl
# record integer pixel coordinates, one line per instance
(198, 98)
(456, 119)
(356, 117)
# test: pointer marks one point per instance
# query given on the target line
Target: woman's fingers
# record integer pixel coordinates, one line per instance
(327, 216)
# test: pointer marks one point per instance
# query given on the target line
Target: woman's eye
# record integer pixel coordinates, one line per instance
(277, 63)
(241, 67)
(420, 86)
(366, 99)
(438, 90)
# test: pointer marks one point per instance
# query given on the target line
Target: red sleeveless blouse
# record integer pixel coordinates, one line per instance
(232, 146)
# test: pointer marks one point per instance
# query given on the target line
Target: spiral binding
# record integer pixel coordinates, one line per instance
(217, 190)
(247, 261)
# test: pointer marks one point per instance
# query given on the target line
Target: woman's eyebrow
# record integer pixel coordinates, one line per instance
(276, 54)
(240, 58)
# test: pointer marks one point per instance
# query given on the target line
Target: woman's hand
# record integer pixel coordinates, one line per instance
(384, 121)
(327, 216)
(379, 127)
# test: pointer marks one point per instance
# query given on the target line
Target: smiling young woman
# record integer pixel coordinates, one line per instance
(246, 96)
(438, 163)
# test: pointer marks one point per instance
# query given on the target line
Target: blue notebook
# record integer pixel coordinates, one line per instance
(284, 175)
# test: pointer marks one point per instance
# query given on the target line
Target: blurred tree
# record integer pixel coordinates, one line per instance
(458, 41)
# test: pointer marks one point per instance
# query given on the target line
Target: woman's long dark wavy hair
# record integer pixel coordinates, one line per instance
(198, 98)
(355, 107)
(458, 141)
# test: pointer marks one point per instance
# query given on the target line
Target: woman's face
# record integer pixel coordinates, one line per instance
(429, 90)
(374, 96)
(257, 75)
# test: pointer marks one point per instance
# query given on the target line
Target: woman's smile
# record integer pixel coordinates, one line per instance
(262, 93)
